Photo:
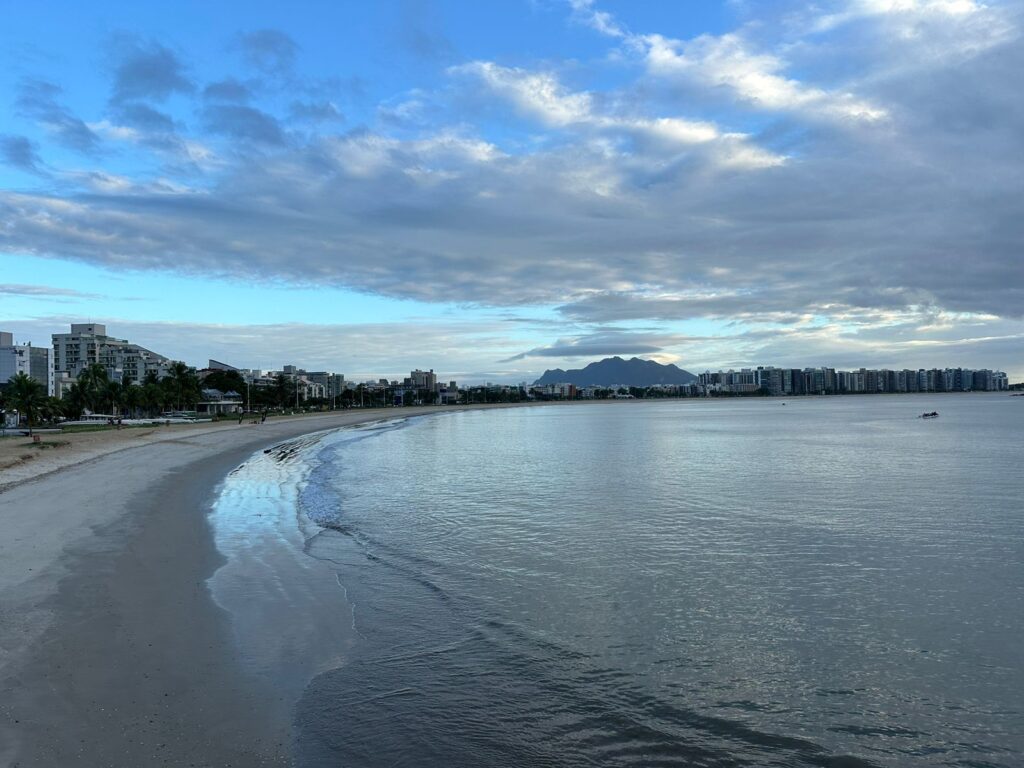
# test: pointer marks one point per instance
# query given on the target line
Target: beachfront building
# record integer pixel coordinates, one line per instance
(307, 385)
(768, 380)
(449, 393)
(35, 362)
(216, 403)
(88, 343)
(422, 380)
(333, 384)
(558, 391)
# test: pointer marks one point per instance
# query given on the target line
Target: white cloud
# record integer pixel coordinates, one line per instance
(541, 96)
(601, 21)
(905, 9)
(535, 94)
(727, 61)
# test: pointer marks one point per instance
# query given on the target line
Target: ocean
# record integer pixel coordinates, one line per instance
(763, 582)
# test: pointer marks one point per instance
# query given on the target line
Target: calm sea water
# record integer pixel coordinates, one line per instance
(829, 582)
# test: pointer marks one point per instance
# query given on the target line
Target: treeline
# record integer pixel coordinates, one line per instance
(93, 391)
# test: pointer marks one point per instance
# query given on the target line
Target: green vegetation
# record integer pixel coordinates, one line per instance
(93, 391)
(28, 397)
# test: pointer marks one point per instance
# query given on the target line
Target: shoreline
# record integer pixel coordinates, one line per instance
(82, 447)
(113, 651)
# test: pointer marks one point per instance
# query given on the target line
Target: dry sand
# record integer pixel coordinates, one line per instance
(111, 651)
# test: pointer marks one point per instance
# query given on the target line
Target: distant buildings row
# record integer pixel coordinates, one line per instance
(59, 366)
(827, 381)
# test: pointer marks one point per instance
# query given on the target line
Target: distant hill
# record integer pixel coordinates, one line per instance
(614, 371)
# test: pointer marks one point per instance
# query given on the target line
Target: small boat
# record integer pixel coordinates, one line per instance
(932, 415)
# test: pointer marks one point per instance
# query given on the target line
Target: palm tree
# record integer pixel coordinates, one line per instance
(92, 385)
(182, 383)
(133, 398)
(282, 390)
(53, 408)
(74, 402)
(153, 398)
(114, 395)
(28, 396)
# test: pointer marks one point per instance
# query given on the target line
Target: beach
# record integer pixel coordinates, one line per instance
(111, 651)
(182, 596)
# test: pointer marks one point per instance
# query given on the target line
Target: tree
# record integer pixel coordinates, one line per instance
(114, 396)
(152, 397)
(133, 399)
(284, 390)
(182, 384)
(92, 386)
(53, 408)
(225, 381)
(28, 396)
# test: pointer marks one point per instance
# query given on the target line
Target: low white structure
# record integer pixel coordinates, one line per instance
(215, 402)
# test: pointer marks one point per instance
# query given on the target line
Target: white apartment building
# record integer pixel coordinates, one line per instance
(36, 362)
(89, 343)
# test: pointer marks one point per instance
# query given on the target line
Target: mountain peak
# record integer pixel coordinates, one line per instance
(614, 371)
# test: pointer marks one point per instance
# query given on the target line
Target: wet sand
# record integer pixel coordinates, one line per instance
(111, 651)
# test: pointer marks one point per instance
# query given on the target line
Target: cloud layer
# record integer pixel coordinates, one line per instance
(850, 162)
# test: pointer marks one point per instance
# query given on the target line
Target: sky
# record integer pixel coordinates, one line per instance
(493, 189)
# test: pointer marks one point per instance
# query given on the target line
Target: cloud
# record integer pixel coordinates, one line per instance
(600, 344)
(584, 12)
(146, 70)
(144, 117)
(732, 62)
(738, 184)
(38, 99)
(903, 12)
(229, 89)
(541, 96)
(243, 123)
(270, 51)
(757, 79)
(20, 152)
(536, 94)
(316, 111)
(47, 291)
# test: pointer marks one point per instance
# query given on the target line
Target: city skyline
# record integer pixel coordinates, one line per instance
(498, 190)
(124, 362)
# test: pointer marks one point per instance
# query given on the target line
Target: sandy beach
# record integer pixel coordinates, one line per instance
(111, 651)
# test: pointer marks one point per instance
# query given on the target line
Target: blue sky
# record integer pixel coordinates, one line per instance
(492, 189)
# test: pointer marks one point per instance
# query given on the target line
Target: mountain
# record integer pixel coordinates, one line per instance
(613, 371)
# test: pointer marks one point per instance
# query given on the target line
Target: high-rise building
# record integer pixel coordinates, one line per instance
(88, 343)
(333, 383)
(35, 362)
(423, 379)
